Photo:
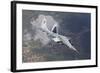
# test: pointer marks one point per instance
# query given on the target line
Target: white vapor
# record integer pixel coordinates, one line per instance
(39, 34)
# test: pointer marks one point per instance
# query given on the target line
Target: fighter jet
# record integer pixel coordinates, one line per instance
(53, 34)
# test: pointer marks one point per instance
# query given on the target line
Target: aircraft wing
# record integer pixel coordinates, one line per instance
(66, 41)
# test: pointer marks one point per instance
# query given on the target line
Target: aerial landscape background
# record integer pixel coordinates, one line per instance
(71, 24)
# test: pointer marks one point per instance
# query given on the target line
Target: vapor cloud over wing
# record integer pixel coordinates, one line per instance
(36, 24)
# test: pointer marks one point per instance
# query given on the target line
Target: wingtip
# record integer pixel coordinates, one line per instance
(77, 51)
